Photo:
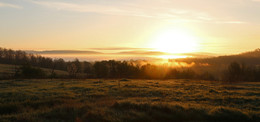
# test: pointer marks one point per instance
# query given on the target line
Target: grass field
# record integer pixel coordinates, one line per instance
(7, 70)
(131, 100)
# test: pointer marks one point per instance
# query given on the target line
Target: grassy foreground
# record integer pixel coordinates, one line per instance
(131, 100)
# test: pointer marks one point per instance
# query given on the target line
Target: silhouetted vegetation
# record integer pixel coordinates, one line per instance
(27, 71)
(217, 68)
(241, 72)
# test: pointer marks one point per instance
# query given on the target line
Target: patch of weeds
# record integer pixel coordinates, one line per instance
(252, 94)
(9, 108)
(80, 89)
(124, 79)
(97, 82)
(110, 86)
(130, 86)
(64, 113)
(43, 103)
(227, 115)
(61, 84)
(160, 112)
(233, 88)
(213, 91)
(17, 96)
(93, 117)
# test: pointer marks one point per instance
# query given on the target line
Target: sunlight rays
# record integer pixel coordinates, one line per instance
(175, 41)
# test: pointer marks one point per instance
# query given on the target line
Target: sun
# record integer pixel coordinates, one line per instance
(175, 41)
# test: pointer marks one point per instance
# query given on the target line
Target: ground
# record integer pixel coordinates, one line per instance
(7, 71)
(128, 100)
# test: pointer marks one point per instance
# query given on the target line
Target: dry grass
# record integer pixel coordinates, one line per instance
(133, 100)
(7, 71)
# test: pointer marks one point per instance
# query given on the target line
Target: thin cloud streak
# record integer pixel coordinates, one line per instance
(135, 53)
(7, 5)
(120, 48)
(170, 14)
(78, 7)
(154, 53)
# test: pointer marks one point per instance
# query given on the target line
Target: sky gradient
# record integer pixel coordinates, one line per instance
(220, 26)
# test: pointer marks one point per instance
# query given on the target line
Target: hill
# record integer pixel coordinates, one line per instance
(255, 53)
(8, 70)
(251, 57)
(217, 65)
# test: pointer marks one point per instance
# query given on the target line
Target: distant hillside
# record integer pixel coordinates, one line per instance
(216, 65)
(255, 53)
(7, 70)
(198, 68)
(251, 58)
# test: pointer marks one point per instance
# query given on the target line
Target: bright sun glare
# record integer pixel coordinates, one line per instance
(175, 41)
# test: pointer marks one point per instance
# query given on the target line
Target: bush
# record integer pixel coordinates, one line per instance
(8, 108)
(27, 71)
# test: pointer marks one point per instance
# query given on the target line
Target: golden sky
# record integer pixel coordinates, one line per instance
(170, 26)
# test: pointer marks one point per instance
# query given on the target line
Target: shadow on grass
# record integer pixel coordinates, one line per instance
(148, 112)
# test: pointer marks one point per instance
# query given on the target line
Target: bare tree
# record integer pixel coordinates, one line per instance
(72, 70)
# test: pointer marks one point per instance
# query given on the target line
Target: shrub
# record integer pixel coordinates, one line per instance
(8, 109)
(27, 71)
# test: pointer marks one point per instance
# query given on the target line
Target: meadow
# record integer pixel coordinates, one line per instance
(128, 100)
(7, 71)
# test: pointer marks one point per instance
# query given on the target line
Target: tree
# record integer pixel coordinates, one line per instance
(101, 69)
(234, 72)
(60, 64)
(72, 70)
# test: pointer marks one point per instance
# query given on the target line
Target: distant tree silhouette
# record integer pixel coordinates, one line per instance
(234, 72)
(72, 70)
(101, 69)
(88, 69)
(60, 64)
(136, 69)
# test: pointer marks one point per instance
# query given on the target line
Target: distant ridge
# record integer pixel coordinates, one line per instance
(63, 52)
(255, 53)
(251, 58)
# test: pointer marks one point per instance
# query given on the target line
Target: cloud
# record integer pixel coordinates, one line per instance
(150, 53)
(127, 10)
(120, 48)
(10, 5)
(79, 52)
(135, 53)
(231, 22)
(154, 11)
(78, 7)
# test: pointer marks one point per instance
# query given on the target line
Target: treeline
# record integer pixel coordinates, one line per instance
(241, 72)
(8, 56)
(30, 66)
(251, 58)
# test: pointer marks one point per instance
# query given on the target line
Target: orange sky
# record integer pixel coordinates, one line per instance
(214, 26)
